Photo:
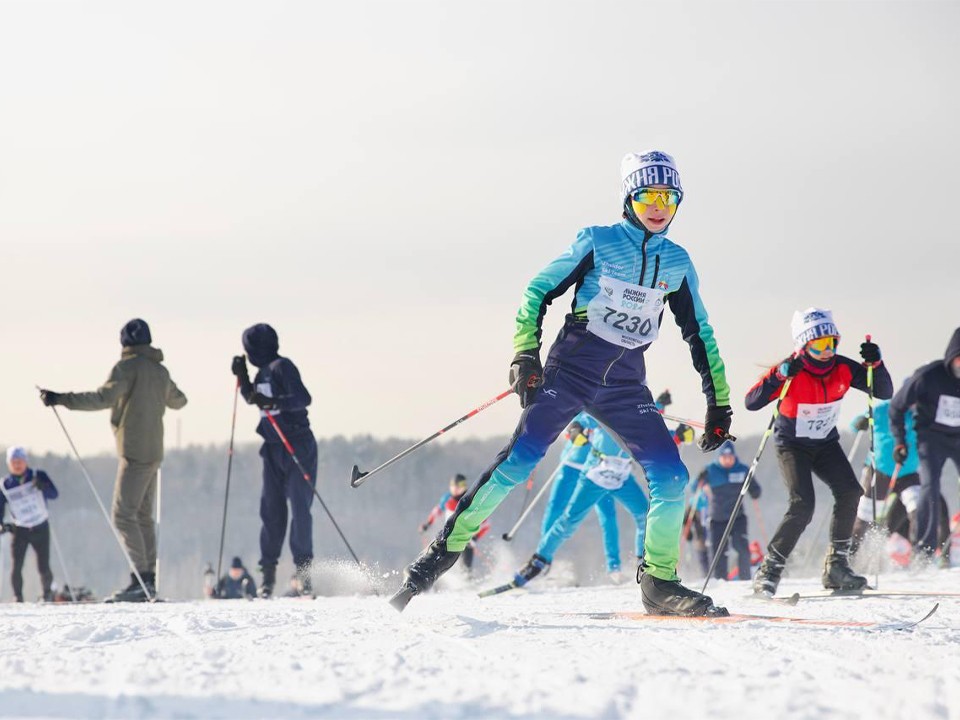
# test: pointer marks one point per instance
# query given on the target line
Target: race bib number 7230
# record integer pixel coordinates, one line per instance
(624, 313)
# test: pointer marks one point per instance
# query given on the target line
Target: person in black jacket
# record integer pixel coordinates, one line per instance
(237, 584)
(933, 391)
(278, 390)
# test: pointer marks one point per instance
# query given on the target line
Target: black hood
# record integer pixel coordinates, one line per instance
(953, 349)
(261, 344)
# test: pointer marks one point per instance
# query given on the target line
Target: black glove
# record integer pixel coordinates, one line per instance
(526, 375)
(49, 398)
(7, 527)
(862, 423)
(716, 427)
(239, 368)
(663, 399)
(424, 527)
(790, 367)
(262, 401)
(900, 454)
(870, 352)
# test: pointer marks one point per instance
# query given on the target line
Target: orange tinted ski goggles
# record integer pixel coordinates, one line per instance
(650, 196)
(820, 344)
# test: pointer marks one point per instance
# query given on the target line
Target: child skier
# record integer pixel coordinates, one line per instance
(278, 390)
(26, 491)
(723, 479)
(446, 507)
(607, 473)
(625, 275)
(807, 442)
(572, 458)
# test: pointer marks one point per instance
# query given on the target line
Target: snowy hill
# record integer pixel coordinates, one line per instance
(451, 655)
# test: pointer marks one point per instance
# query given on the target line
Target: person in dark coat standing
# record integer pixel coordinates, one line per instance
(137, 393)
(723, 479)
(933, 391)
(278, 391)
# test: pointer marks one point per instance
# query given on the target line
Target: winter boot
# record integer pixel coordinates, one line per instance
(669, 597)
(269, 574)
(528, 572)
(306, 579)
(423, 572)
(837, 573)
(767, 579)
(134, 591)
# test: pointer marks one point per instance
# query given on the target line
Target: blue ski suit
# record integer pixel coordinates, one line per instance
(625, 277)
(572, 459)
(619, 485)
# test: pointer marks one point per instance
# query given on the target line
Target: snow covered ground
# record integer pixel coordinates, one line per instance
(452, 655)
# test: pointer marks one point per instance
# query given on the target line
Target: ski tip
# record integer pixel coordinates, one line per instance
(507, 537)
(355, 476)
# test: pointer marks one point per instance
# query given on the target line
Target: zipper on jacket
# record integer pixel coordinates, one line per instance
(823, 384)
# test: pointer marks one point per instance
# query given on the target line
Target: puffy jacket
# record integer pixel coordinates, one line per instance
(934, 394)
(806, 416)
(138, 392)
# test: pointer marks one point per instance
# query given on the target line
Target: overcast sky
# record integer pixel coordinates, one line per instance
(380, 180)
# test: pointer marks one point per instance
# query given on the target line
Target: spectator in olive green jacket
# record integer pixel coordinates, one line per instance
(137, 393)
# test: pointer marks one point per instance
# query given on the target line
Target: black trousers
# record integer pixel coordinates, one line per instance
(39, 538)
(737, 541)
(798, 464)
(934, 449)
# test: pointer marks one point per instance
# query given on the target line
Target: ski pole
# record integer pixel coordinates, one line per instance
(821, 523)
(508, 536)
(63, 565)
(357, 478)
(692, 423)
(309, 481)
(103, 509)
(156, 564)
(226, 494)
(746, 485)
(873, 459)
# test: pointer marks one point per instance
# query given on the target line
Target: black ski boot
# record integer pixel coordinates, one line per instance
(423, 572)
(669, 597)
(269, 574)
(837, 573)
(535, 565)
(306, 580)
(767, 579)
(134, 592)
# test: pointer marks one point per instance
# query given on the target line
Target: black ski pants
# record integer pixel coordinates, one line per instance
(39, 538)
(798, 464)
(934, 449)
(737, 541)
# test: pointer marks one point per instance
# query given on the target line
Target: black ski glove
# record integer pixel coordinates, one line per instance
(862, 423)
(526, 375)
(7, 527)
(239, 368)
(716, 427)
(663, 399)
(900, 454)
(790, 367)
(49, 398)
(262, 401)
(870, 352)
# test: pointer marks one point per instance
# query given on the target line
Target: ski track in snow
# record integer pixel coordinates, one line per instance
(452, 655)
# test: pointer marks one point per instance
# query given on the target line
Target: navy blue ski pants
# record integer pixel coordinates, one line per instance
(283, 482)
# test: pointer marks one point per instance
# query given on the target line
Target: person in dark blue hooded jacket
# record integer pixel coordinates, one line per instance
(723, 479)
(278, 390)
